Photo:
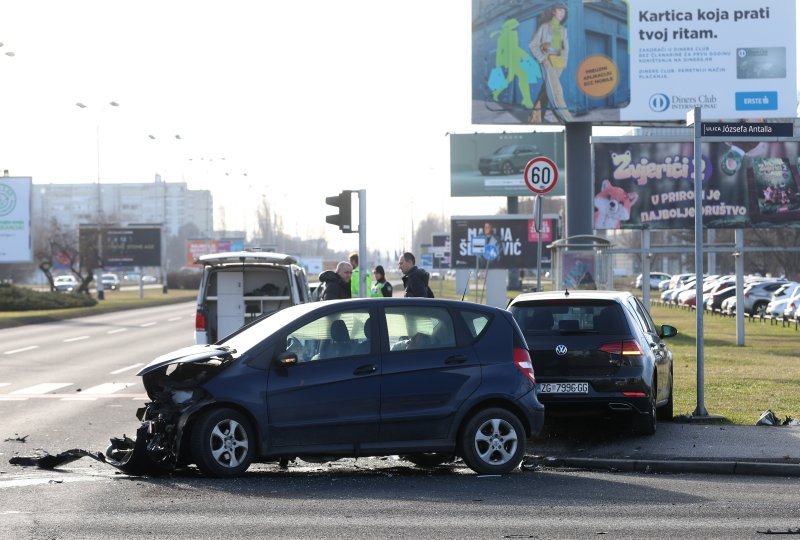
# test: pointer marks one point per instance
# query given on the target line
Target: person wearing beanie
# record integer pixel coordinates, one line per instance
(380, 287)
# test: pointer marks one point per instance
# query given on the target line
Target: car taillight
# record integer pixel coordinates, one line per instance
(626, 347)
(523, 361)
(200, 321)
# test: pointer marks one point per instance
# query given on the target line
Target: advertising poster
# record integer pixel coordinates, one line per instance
(196, 248)
(613, 62)
(513, 238)
(578, 271)
(119, 246)
(745, 184)
(440, 245)
(15, 219)
(493, 164)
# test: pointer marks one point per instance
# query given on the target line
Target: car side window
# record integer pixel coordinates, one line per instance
(476, 322)
(416, 328)
(336, 335)
(644, 317)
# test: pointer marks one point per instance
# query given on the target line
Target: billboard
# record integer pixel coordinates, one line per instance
(196, 248)
(440, 245)
(120, 246)
(15, 219)
(746, 183)
(484, 164)
(514, 239)
(614, 62)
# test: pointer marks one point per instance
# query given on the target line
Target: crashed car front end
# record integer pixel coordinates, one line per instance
(176, 393)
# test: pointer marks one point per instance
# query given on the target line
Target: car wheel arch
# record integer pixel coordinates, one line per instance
(191, 420)
(492, 403)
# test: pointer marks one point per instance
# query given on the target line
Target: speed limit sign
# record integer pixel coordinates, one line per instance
(541, 174)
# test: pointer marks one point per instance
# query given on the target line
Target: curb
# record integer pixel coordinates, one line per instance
(729, 467)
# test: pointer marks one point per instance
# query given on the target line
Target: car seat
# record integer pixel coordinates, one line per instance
(339, 344)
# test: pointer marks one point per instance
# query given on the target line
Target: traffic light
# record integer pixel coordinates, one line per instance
(344, 218)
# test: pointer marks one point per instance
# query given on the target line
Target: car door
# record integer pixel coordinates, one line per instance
(426, 374)
(662, 354)
(331, 396)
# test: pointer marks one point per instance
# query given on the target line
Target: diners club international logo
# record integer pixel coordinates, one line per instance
(8, 200)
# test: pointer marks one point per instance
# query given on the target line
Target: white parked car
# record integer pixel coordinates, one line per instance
(65, 283)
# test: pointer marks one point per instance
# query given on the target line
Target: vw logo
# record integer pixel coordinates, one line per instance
(561, 350)
(659, 102)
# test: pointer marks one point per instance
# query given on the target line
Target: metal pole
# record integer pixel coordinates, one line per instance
(739, 256)
(538, 223)
(646, 267)
(698, 258)
(362, 243)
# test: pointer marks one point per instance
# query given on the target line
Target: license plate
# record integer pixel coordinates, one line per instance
(564, 388)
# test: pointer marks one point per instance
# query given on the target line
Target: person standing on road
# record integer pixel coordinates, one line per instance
(415, 280)
(380, 287)
(336, 285)
(355, 279)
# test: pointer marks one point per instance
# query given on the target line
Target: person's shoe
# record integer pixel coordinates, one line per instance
(550, 118)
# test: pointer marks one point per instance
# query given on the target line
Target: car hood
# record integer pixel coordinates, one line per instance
(193, 353)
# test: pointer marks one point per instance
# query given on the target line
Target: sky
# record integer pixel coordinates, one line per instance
(301, 99)
(292, 101)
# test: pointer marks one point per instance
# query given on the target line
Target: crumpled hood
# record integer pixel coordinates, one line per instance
(193, 353)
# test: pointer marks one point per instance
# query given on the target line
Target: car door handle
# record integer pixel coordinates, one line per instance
(365, 370)
(455, 359)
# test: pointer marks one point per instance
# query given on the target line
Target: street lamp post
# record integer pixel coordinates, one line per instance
(100, 219)
(164, 265)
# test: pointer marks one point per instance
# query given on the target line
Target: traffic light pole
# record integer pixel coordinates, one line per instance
(362, 243)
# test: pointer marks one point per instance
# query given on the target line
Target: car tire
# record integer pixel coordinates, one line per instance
(645, 424)
(507, 168)
(493, 442)
(428, 459)
(223, 443)
(760, 309)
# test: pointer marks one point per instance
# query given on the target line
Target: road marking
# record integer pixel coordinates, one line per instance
(23, 349)
(107, 388)
(40, 388)
(117, 331)
(127, 368)
(145, 325)
(79, 338)
(173, 319)
(3, 398)
(4, 384)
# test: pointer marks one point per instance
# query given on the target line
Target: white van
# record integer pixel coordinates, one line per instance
(240, 286)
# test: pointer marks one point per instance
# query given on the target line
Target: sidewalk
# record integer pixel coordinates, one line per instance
(678, 448)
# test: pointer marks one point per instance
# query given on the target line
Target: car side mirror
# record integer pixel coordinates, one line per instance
(668, 331)
(287, 358)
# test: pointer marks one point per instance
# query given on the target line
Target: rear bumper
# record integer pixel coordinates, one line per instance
(594, 406)
(533, 410)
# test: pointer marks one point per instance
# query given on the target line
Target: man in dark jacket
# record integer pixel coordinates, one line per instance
(415, 280)
(336, 285)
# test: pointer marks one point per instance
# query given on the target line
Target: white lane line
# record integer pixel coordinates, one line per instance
(107, 388)
(145, 325)
(173, 319)
(4, 384)
(78, 399)
(79, 338)
(41, 388)
(126, 368)
(117, 331)
(23, 349)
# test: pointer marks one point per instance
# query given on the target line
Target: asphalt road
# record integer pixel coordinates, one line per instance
(94, 361)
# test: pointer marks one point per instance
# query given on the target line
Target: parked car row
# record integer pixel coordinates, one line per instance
(68, 283)
(762, 296)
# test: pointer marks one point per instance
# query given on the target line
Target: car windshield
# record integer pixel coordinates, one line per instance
(580, 316)
(254, 334)
(504, 151)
